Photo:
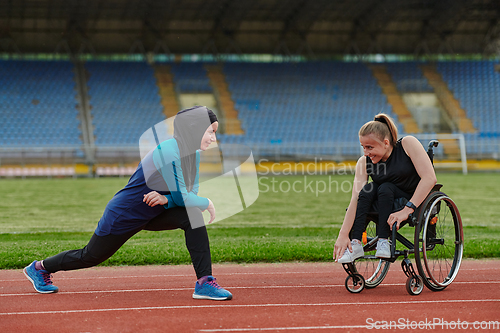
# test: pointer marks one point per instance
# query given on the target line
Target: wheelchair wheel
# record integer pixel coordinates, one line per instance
(373, 269)
(355, 284)
(439, 238)
(414, 285)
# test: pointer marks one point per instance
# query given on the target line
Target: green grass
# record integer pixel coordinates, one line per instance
(41, 217)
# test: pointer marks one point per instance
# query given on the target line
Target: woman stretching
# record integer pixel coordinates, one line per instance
(162, 194)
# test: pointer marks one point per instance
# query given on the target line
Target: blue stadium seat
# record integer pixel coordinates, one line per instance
(125, 101)
(476, 85)
(285, 103)
(408, 77)
(278, 103)
(38, 104)
(190, 77)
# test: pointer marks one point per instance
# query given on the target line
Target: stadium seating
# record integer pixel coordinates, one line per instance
(293, 103)
(190, 77)
(124, 101)
(300, 107)
(476, 85)
(38, 104)
(408, 77)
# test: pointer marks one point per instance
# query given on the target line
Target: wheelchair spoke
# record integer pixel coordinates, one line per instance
(372, 269)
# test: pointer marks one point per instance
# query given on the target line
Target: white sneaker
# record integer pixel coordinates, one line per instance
(357, 252)
(383, 249)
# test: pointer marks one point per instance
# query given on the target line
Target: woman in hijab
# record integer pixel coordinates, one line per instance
(162, 194)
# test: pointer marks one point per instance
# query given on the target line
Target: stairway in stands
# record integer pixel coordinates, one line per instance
(218, 82)
(394, 98)
(448, 101)
(166, 88)
(452, 107)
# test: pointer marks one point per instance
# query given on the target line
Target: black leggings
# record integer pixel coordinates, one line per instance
(101, 248)
(381, 199)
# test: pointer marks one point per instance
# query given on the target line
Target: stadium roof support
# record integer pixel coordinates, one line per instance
(492, 39)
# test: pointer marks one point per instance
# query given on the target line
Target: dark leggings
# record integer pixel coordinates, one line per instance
(380, 198)
(101, 248)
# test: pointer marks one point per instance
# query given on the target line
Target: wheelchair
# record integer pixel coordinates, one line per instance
(438, 245)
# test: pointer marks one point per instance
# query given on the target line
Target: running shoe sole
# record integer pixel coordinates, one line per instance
(213, 298)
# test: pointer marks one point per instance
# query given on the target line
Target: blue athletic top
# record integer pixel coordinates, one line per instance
(160, 171)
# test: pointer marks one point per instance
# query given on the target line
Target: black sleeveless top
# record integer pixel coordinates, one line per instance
(398, 170)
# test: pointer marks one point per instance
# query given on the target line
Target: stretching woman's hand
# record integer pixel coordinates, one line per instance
(211, 210)
(154, 198)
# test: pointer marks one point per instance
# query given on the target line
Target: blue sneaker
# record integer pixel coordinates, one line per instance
(211, 290)
(40, 279)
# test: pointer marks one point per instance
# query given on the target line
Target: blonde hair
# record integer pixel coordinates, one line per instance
(382, 126)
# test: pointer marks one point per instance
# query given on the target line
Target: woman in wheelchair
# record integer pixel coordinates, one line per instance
(398, 169)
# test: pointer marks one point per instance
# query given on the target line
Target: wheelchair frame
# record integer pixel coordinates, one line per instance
(426, 220)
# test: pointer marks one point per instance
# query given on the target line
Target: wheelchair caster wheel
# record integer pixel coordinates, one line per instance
(355, 283)
(414, 285)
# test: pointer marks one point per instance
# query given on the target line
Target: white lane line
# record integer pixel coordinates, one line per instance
(110, 291)
(180, 307)
(182, 289)
(303, 328)
(60, 278)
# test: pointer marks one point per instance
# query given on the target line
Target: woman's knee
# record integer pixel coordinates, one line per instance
(90, 260)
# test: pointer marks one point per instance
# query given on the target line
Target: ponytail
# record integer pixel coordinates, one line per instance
(383, 127)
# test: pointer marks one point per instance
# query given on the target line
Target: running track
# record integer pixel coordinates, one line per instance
(292, 297)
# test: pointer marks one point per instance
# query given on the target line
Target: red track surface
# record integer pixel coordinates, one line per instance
(299, 297)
